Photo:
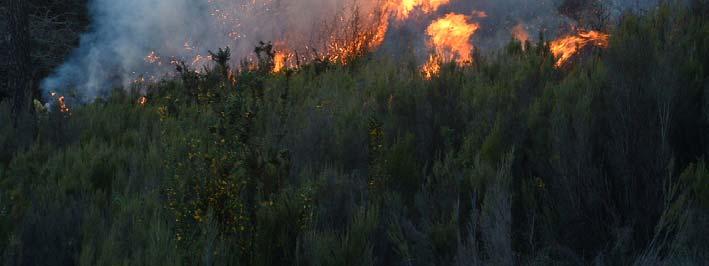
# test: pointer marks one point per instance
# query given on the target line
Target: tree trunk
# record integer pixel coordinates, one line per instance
(19, 76)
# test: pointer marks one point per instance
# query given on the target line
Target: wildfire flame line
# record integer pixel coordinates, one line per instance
(351, 34)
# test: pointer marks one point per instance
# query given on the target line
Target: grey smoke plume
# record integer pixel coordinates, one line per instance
(124, 32)
(113, 53)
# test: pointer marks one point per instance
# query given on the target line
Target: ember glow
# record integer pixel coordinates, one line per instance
(61, 103)
(479, 14)
(152, 58)
(566, 47)
(143, 100)
(520, 33)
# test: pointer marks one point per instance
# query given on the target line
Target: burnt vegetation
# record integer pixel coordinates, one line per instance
(509, 161)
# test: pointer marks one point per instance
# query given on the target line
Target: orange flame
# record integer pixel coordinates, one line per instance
(432, 68)
(356, 37)
(348, 36)
(403, 8)
(450, 40)
(279, 62)
(566, 47)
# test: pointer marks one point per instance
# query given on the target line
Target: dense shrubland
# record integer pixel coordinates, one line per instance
(509, 161)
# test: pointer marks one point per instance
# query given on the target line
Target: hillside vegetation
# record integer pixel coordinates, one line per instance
(509, 161)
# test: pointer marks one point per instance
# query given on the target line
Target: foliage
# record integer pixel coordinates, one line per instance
(509, 161)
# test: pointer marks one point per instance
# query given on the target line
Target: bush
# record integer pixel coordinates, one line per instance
(508, 161)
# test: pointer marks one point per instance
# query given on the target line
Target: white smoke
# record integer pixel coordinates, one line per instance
(113, 53)
(123, 32)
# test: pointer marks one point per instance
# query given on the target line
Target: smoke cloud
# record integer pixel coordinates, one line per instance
(130, 39)
(123, 33)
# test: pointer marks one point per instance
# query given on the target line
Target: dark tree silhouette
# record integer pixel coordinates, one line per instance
(54, 27)
(18, 39)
